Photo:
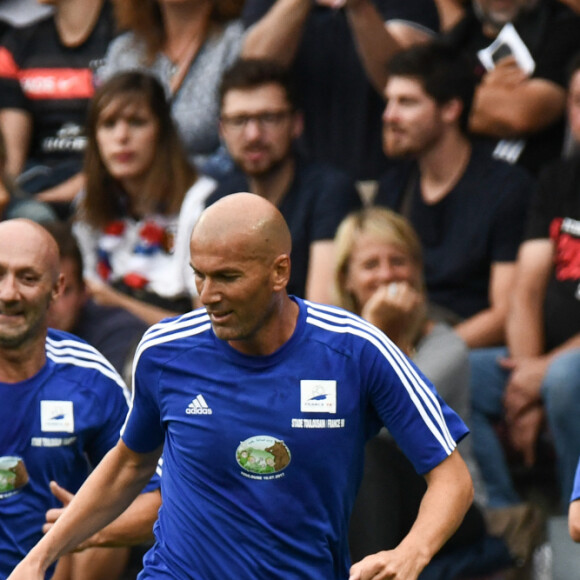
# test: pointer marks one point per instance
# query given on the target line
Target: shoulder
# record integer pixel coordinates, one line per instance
(79, 359)
(344, 331)
(124, 52)
(171, 336)
(200, 190)
(18, 39)
(484, 169)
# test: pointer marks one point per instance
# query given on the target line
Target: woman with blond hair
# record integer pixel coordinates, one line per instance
(378, 274)
(141, 200)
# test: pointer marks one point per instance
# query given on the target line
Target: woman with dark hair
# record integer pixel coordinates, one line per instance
(141, 201)
(187, 45)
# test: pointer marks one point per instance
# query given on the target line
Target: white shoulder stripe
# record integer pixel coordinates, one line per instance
(422, 397)
(187, 320)
(111, 374)
(76, 349)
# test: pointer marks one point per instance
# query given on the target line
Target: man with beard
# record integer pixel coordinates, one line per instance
(63, 406)
(468, 208)
(259, 123)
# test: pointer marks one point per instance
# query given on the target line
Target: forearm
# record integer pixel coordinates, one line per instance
(524, 325)
(107, 492)
(278, 33)
(134, 526)
(374, 43)
(508, 112)
(16, 126)
(63, 192)
(443, 507)
(574, 520)
(486, 328)
(149, 313)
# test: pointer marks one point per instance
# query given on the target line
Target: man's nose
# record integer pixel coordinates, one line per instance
(8, 288)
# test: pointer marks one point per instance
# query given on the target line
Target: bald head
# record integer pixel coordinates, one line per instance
(29, 238)
(246, 219)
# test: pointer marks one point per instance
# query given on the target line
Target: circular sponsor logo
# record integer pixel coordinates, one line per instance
(263, 454)
(13, 475)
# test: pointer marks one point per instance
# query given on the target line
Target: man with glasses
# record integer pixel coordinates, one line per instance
(260, 122)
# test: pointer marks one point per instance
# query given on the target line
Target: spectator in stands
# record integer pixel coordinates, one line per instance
(187, 45)
(534, 381)
(342, 111)
(520, 112)
(378, 275)
(467, 208)
(114, 332)
(141, 201)
(259, 124)
(46, 82)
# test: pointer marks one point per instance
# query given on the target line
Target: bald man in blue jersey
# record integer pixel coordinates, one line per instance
(262, 404)
(63, 405)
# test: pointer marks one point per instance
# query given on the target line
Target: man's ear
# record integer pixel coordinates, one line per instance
(451, 111)
(58, 287)
(281, 272)
(297, 124)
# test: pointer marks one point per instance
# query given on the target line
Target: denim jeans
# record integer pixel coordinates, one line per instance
(560, 392)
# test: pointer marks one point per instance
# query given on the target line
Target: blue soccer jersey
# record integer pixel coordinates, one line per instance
(263, 455)
(576, 490)
(53, 426)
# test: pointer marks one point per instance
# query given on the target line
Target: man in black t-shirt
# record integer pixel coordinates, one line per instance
(259, 124)
(537, 377)
(468, 209)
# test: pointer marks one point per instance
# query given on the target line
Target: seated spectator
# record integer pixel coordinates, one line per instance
(378, 275)
(531, 133)
(535, 380)
(319, 40)
(141, 201)
(46, 82)
(187, 46)
(114, 332)
(259, 124)
(468, 209)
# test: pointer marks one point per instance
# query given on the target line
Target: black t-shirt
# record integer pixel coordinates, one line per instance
(479, 222)
(555, 214)
(551, 33)
(342, 110)
(319, 198)
(54, 83)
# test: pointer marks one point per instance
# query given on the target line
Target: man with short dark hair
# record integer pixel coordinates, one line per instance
(260, 122)
(262, 404)
(468, 208)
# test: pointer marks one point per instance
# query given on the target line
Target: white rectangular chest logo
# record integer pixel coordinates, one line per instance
(317, 396)
(57, 416)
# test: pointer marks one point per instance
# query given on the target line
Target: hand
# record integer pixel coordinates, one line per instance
(524, 384)
(506, 74)
(524, 430)
(391, 564)
(399, 311)
(334, 4)
(65, 497)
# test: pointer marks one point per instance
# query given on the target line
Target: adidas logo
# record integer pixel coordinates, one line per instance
(198, 407)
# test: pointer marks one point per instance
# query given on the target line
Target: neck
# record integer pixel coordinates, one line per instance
(134, 189)
(75, 20)
(443, 166)
(22, 363)
(276, 332)
(274, 185)
(183, 23)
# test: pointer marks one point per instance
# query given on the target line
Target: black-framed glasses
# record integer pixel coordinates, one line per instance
(267, 120)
